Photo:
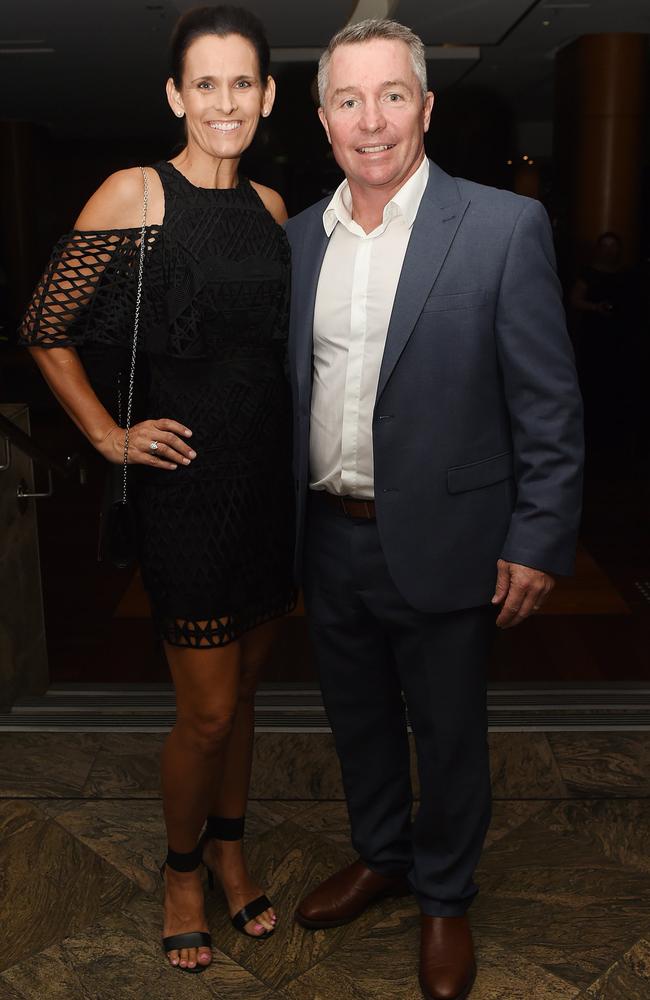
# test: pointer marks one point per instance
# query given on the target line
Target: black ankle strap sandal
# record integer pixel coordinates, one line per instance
(187, 862)
(222, 828)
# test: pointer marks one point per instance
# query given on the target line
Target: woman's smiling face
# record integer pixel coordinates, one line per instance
(221, 94)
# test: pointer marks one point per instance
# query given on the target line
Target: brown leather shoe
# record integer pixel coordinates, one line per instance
(345, 895)
(447, 964)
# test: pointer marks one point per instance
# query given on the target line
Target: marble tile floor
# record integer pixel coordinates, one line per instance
(563, 913)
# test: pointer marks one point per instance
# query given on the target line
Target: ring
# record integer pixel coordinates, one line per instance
(153, 446)
(536, 607)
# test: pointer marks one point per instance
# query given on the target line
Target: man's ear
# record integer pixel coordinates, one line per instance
(323, 121)
(428, 108)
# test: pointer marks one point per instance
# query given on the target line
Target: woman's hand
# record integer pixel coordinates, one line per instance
(171, 450)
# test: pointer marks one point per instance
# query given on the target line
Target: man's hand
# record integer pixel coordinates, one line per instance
(521, 590)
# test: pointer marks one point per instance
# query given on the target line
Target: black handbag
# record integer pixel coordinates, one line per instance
(117, 522)
(117, 531)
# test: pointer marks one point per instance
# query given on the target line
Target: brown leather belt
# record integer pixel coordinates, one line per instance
(349, 506)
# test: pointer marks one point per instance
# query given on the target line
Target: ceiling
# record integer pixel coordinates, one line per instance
(99, 67)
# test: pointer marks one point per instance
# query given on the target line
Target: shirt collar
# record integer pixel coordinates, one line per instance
(405, 203)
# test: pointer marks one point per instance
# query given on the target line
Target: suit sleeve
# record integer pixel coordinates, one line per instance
(543, 399)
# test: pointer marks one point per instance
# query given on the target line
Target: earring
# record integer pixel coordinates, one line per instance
(179, 114)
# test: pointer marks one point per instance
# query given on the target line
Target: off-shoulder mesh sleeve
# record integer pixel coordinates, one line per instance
(88, 290)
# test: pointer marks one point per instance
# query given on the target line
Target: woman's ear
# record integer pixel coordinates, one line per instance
(174, 98)
(269, 97)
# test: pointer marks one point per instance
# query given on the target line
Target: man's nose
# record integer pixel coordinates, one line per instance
(372, 118)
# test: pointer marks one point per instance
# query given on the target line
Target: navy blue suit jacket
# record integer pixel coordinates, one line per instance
(477, 426)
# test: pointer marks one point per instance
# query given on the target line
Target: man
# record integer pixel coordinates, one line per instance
(438, 455)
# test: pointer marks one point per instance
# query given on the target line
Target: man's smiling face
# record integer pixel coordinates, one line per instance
(375, 114)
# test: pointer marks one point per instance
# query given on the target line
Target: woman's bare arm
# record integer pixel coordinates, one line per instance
(273, 203)
(67, 379)
(117, 204)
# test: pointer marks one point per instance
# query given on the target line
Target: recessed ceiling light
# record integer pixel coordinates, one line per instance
(24, 51)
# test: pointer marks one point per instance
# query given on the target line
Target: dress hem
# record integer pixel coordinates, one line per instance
(189, 634)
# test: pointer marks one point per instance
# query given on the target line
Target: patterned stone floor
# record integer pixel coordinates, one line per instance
(563, 913)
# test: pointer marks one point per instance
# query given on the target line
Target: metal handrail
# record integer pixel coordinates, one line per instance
(15, 436)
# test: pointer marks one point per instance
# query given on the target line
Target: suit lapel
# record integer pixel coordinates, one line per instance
(306, 276)
(439, 216)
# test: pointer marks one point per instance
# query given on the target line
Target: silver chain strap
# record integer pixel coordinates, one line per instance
(136, 322)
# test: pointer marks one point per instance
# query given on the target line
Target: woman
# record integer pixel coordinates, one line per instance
(213, 489)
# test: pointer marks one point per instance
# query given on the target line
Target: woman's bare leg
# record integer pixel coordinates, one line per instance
(230, 799)
(206, 683)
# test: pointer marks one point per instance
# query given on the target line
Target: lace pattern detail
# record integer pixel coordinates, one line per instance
(218, 631)
(88, 290)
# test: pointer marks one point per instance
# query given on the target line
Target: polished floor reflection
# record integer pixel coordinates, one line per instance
(564, 910)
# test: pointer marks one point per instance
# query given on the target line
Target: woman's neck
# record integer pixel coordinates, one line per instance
(207, 171)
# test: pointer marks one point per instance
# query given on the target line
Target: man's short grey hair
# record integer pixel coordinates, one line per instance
(366, 31)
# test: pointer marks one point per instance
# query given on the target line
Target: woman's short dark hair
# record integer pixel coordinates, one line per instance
(221, 20)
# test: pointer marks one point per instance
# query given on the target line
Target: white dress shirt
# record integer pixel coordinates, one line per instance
(354, 301)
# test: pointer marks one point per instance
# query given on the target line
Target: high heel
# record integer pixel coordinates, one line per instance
(222, 828)
(188, 862)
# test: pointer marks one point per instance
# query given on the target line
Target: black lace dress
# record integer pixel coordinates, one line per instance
(215, 537)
